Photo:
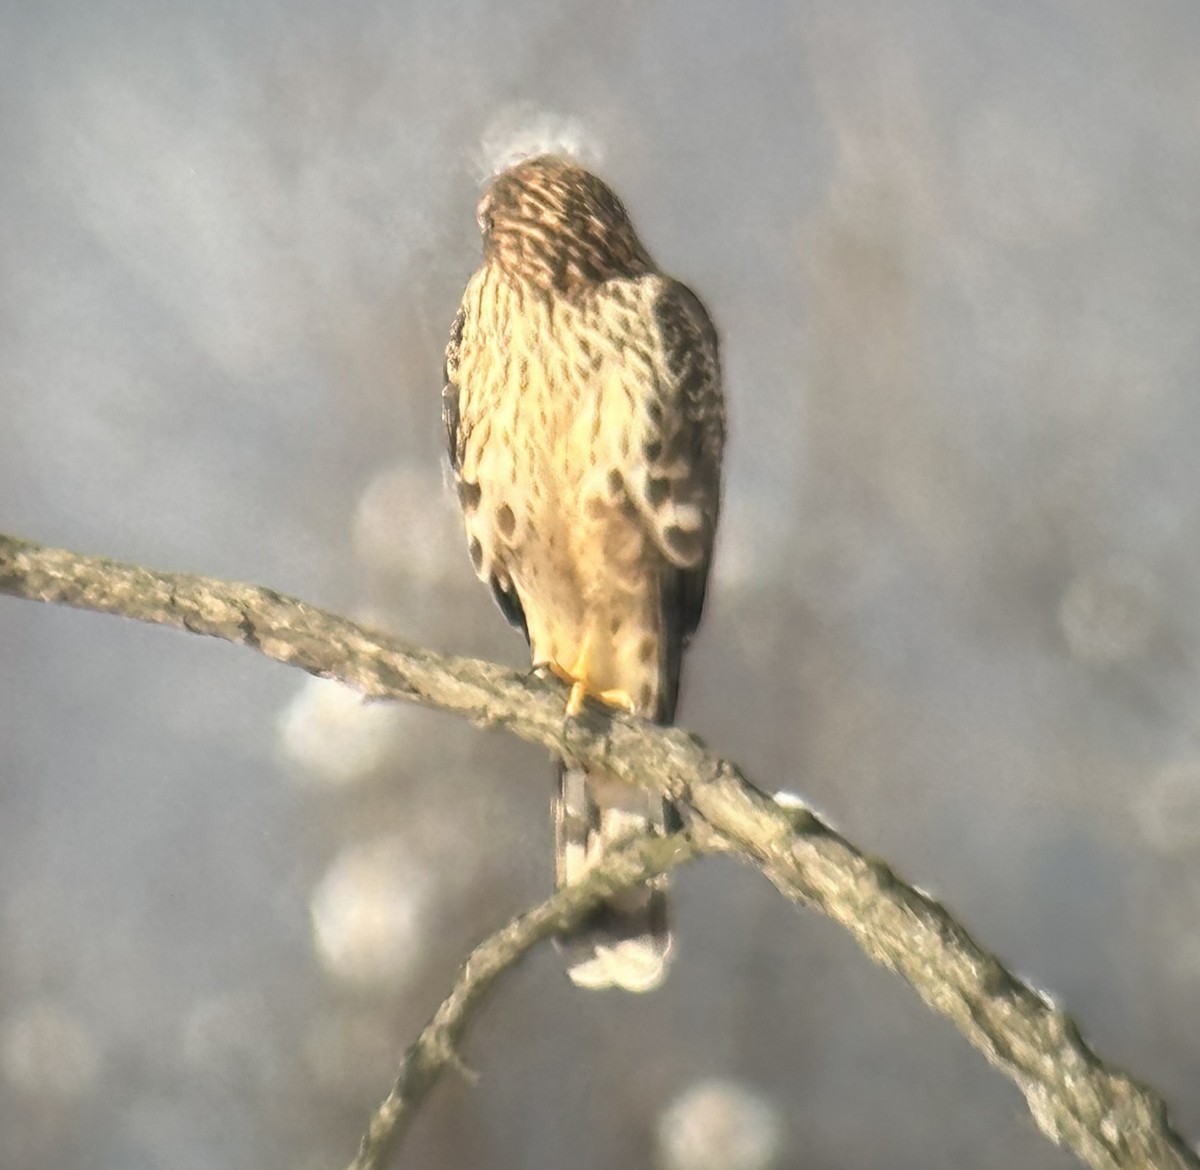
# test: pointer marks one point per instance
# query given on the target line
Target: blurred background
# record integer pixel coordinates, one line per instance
(952, 250)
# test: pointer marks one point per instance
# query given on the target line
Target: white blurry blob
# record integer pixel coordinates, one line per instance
(336, 735)
(371, 910)
(406, 526)
(45, 1050)
(720, 1125)
(1168, 809)
(1107, 614)
(522, 130)
(790, 800)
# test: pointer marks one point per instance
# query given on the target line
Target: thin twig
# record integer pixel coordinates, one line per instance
(436, 1049)
(1108, 1119)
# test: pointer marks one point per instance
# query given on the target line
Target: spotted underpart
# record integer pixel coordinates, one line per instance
(585, 427)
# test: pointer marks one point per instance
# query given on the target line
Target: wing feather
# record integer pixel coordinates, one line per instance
(683, 439)
(468, 492)
(676, 481)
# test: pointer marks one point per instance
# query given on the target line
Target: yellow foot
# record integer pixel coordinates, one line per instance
(614, 698)
(577, 676)
(618, 698)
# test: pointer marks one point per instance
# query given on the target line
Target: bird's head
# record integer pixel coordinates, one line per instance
(558, 227)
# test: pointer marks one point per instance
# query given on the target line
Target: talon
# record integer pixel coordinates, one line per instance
(575, 699)
(618, 698)
(576, 676)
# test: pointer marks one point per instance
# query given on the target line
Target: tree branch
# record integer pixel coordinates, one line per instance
(1106, 1118)
(437, 1046)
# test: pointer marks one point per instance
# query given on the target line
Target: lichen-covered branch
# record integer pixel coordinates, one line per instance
(436, 1049)
(1109, 1120)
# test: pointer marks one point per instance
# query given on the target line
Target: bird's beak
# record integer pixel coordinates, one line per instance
(483, 213)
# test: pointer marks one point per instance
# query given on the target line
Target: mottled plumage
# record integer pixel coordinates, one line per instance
(585, 426)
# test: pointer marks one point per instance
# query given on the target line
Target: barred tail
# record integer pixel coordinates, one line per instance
(626, 941)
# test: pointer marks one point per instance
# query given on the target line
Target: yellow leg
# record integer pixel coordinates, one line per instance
(578, 679)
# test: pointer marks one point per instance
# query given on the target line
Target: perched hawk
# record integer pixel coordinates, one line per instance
(585, 422)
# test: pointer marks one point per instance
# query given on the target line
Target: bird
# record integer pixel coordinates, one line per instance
(585, 424)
